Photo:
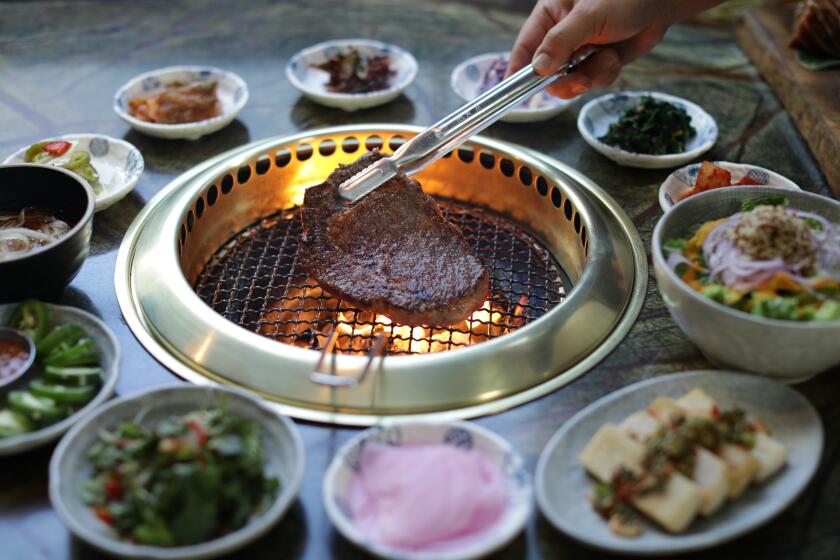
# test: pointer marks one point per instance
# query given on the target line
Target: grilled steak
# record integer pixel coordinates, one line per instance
(392, 252)
(818, 27)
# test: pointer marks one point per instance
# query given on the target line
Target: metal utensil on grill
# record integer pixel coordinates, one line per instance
(454, 129)
(322, 377)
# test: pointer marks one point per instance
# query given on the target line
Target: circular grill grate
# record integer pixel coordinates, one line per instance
(254, 281)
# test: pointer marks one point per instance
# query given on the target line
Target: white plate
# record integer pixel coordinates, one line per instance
(562, 485)
(596, 117)
(468, 77)
(69, 467)
(231, 90)
(109, 360)
(468, 436)
(118, 163)
(312, 81)
(682, 180)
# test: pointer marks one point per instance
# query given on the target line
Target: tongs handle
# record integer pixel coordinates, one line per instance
(321, 377)
(454, 129)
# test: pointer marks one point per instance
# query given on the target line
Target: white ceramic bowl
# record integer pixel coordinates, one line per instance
(682, 180)
(118, 163)
(69, 467)
(468, 77)
(344, 466)
(312, 81)
(596, 117)
(788, 351)
(109, 362)
(231, 90)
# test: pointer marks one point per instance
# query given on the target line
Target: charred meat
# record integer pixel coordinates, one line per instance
(392, 252)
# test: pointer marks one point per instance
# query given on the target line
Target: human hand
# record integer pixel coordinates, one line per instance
(631, 28)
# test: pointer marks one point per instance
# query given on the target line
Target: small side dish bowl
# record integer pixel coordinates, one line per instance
(311, 81)
(785, 350)
(109, 356)
(118, 163)
(467, 436)
(597, 115)
(70, 469)
(44, 272)
(468, 77)
(681, 181)
(21, 341)
(231, 91)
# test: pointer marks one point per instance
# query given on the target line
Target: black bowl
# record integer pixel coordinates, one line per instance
(44, 272)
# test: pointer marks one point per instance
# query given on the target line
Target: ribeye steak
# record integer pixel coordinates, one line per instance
(391, 252)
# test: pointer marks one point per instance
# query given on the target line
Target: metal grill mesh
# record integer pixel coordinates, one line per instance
(254, 281)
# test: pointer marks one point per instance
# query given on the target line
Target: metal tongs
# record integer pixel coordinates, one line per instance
(322, 377)
(453, 130)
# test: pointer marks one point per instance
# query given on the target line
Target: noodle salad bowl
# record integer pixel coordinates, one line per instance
(45, 228)
(770, 308)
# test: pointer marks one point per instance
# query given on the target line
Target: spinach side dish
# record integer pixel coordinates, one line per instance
(651, 127)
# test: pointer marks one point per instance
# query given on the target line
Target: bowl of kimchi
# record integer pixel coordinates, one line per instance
(701, 177)
(752, 276)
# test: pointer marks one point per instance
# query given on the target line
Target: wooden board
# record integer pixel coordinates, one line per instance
(811, 98)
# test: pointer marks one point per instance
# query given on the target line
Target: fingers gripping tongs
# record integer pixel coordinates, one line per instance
(453, 130)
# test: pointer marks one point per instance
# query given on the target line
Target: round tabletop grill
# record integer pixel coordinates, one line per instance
(208, 280)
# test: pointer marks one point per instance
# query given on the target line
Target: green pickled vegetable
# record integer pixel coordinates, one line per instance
(32, 318)
(84, 353)
(13, 423)
(73, 376)
(62, 394)
(40, 410)
(60, 338)
(651, 127)
(33, 151)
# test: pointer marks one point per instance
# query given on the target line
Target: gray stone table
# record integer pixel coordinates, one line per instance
(61, 62)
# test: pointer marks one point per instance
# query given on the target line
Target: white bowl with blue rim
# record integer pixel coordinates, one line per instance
(311, 81)
(680, 182)
(231, 91)
(109, 362)
(597, 115)
(468, 82)
(467, 436)
(118, 163)
(280, 442)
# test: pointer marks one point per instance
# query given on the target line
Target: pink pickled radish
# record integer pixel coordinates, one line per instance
(425, 497)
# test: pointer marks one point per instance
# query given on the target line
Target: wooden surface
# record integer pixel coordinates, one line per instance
(61, 62)
(811, 98)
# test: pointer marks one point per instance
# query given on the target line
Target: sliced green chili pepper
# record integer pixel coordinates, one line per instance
(32, 317)
(62, 394)
(13, 423)
(61, 337)
(89, 174)
(85, 353)
(77, 161)
(73, 376)
(33, 151)
(37, 409)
